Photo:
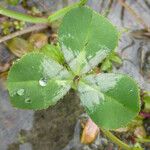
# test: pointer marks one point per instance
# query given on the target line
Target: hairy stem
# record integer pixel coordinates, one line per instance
(31, 19)
(117, 141)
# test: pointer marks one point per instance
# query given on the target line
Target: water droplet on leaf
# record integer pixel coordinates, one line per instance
(20, 92)
(43, 82)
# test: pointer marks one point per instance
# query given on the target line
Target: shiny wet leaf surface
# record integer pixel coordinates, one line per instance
(36, 82)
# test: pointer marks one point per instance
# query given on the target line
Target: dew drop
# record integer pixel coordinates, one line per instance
(43, 82)
(20, 92)
(27, 100)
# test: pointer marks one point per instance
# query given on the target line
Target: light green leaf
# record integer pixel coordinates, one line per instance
(54, 52)
(111, 100)
(36, 82)
(86, 38)
(115, 58)
(106, 65)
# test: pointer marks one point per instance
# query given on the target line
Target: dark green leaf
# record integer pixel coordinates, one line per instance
(111, 100)
(86, 38)
(36, 82)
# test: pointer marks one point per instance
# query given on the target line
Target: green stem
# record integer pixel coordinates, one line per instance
(60, 13)
(142, 140)
(31, 19)
(117, 141)
(21, 16)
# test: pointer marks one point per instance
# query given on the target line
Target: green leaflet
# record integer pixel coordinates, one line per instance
(54, 52)
(36, 82)
(106, 65)
(111, 100)
(86, 38)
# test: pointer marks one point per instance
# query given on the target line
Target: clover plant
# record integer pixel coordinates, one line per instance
(85, 38)
(39, 79)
